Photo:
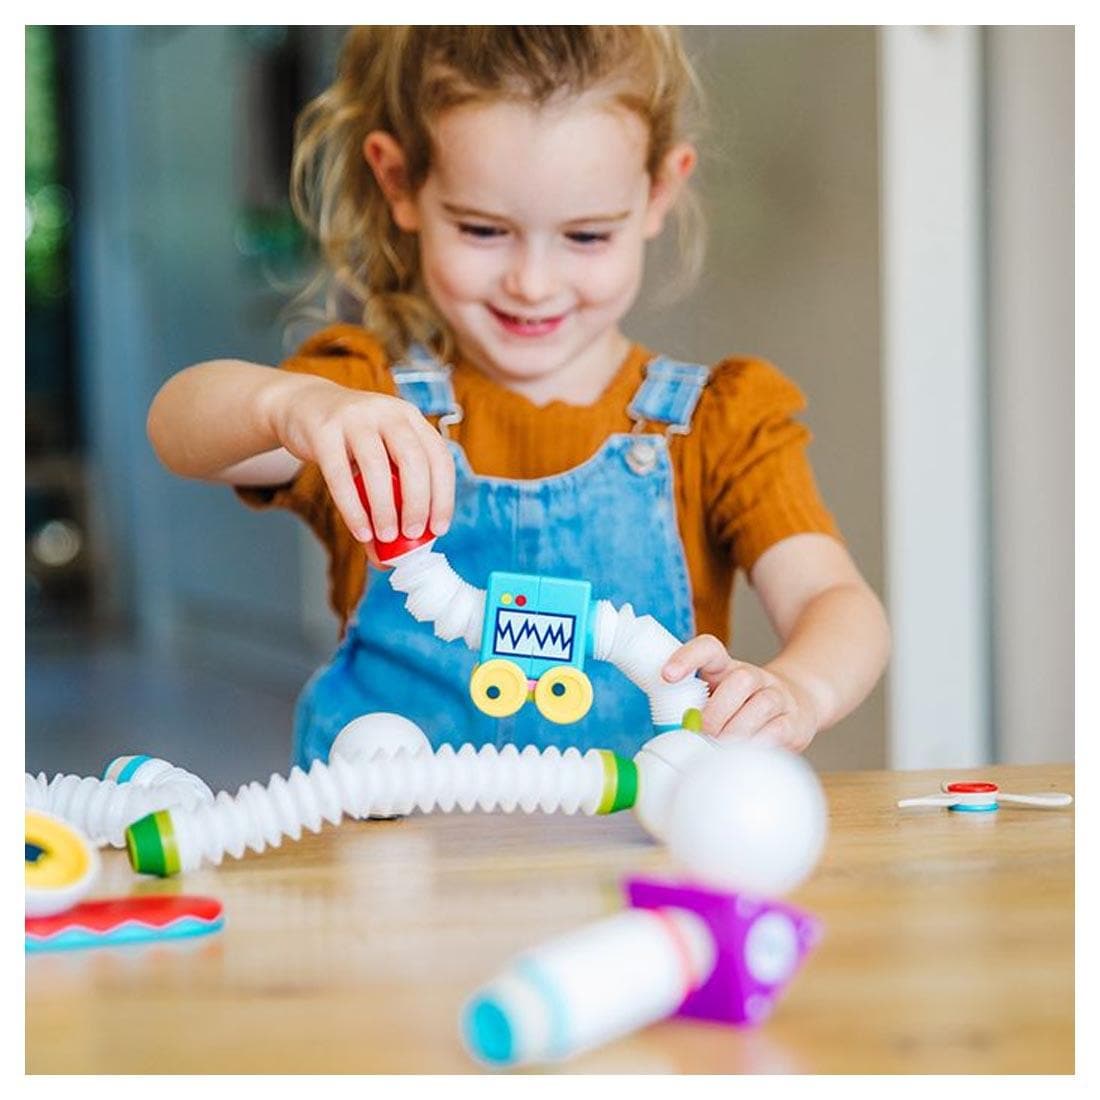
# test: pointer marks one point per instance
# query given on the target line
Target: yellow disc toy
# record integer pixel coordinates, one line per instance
(61, 864)
(563, 695)
(498, 687)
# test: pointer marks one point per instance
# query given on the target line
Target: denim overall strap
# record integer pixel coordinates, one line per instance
(668, 394)
(426, 383)
(610, 521)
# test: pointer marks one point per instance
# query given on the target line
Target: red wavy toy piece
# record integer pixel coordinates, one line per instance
(124, 920)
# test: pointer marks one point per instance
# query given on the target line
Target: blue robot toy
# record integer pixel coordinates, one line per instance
(537, 633)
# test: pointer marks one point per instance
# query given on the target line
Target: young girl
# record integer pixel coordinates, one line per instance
(485, 194)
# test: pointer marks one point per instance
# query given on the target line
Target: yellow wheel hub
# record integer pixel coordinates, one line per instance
(498, 687)
(563, 695)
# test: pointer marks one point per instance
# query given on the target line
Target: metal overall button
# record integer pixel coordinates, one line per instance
(641, 456)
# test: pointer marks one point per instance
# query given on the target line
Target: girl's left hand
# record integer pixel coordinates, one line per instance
(746, 700)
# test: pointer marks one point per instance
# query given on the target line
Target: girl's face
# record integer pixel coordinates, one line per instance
(532, 227)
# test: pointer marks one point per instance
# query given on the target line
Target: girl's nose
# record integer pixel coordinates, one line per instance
(530, 276)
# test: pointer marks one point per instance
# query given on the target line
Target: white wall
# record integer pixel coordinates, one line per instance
(1031, 354)
(937, 532)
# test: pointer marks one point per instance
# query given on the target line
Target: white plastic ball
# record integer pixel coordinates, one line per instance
(379, 734)
(750, 819)
(661, 763)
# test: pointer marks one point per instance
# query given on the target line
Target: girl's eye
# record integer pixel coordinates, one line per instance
(481, 232)
(588, 238)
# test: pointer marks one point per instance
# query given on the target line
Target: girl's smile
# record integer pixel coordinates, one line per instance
(527, 328)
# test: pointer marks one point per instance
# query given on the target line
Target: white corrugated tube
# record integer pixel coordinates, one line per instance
(639, 648)
(438, 595)
(132, 787)
(259, 817)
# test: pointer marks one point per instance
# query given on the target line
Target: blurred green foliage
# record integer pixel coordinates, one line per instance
(48, 203)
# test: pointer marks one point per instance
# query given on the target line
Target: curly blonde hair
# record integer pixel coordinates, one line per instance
(401, 78)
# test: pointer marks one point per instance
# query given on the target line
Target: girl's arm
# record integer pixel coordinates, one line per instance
(246, 424)
(213, 421)
(835, 644)
(836, 640)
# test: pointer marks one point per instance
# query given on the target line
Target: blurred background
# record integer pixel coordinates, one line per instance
(891, 222)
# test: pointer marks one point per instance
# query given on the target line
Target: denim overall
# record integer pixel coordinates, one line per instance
(610, 521)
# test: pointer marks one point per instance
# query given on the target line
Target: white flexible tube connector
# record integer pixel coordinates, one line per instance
(437, 594)
(639, 648)
(258, 817)
(103, 808)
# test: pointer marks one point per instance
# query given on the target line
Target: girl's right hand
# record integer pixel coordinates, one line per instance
(322, 422)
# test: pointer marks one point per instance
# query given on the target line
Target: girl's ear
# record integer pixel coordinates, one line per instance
(387, 160)
(677, 166)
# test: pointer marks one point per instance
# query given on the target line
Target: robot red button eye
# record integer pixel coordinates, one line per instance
(521, 601)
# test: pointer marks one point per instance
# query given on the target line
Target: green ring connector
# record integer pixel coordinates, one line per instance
(626, 790)
(151, 845)
(620, 783)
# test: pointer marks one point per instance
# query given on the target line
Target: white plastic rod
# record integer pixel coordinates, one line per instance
(589, 986)
(1051, 800)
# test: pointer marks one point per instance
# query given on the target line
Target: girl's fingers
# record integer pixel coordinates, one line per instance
(371, 549)
(407, 452)
(759, 709)
(729, 696)
(443, 494)
(778, 732)
(441, 477)
(336, 470)
(374, 469)
(704, 654)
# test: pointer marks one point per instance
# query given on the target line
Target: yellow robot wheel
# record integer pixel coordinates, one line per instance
(563, 695)
(498, 687)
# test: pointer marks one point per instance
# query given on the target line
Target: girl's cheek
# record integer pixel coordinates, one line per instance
(612, 277)
(458, 273)
(452, 277)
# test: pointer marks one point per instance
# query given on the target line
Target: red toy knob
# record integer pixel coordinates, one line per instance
(387, 551)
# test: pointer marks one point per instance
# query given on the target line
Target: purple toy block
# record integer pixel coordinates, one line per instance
(760, 944)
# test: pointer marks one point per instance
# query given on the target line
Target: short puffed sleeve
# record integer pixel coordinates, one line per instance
(759, 487)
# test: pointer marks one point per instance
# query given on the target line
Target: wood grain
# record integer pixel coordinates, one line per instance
(948, 947)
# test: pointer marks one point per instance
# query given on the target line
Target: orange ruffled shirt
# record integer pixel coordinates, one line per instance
(742, 479)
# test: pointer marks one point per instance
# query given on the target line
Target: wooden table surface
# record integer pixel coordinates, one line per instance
(948, 947)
